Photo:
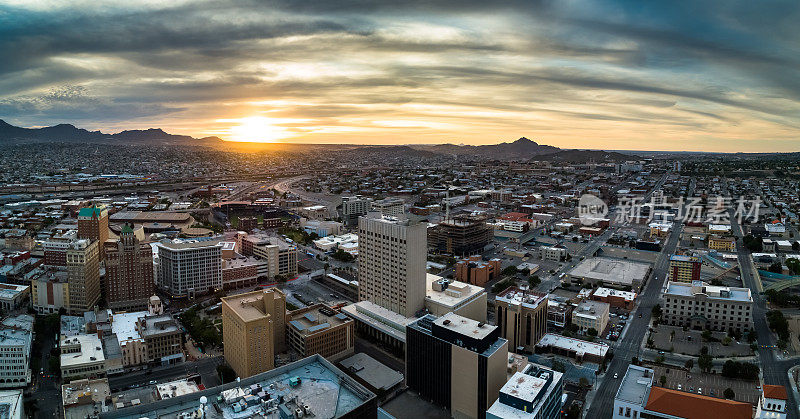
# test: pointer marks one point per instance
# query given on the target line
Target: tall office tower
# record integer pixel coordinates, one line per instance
(456, 362)
(391, 266)
(83, 275)
(93, 224)
(353, 207)
(521, 317)
(129, 272)
(254, 330)
(684, 268)
(189, 267)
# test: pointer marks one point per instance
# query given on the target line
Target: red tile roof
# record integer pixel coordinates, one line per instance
(695, 406)
(775, 392)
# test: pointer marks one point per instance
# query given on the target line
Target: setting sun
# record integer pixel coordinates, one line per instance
(257, 129)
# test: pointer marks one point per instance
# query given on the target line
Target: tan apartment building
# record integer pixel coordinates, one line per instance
(319, 329)
(521, 317)
(723, 243)
(83, 275)
(591, 315)
(253, 330)
(683, 268)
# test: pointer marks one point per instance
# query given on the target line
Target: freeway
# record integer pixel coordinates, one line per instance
(630, 345)
(773, 370)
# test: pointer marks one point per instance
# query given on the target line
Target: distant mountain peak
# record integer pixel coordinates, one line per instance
(524, 140)
(70, 133)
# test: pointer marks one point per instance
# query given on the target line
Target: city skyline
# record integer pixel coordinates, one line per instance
(608, 75)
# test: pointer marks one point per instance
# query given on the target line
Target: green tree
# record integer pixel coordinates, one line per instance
(728, 393)
(663, 380)
(511, 270)
(689, 364)
(656, 311)
(559, 366)
(705, 362)
(592, 332)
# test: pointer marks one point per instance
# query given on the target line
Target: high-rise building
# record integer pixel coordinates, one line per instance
(83, 275)
(460, 235)
(521, 317)
(93, 224)
(533, 393)
(391, 266)
(684, 268)
(129, 272)
(353, 207)
(254, 330)
(279, 256)
(457, 363)
(55, 248)
(189, 267)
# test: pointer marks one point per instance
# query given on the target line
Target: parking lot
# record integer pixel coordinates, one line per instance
(707, 384)
(690, 342)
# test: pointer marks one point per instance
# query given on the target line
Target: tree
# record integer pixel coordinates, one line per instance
(583, 382)
(778, 324)
(656, 311)
(511, 270)
(592, 332)
(728, 393)
(776, 268)
(663, 380)
(705, 362)
(534, 281)
(689, 364)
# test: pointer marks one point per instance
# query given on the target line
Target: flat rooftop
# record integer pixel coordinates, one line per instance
(517, 296)
(578, 346)
(464, 326)
(711, 291)
(635, 385)
(150, 216)
(611, 270)
(11, 291)
(315, 319)
(327, 391)
(91, 350)
(176, 388)
(18, 331)
(124, 326)
(603, 292)
(380, 318)
(371, 371)
(181, 244)
(456, 292)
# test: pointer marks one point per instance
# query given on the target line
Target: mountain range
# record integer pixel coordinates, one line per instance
(521, 149)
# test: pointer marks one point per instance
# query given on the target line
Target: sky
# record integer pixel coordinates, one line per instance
(697, 75)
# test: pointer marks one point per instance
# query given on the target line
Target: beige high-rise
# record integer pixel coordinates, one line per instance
(253, 330)
(83, 273)
(391, 267)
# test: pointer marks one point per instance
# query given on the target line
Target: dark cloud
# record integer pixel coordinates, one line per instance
(688, 64)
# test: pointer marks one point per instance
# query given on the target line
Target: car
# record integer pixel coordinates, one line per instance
(680, 387)
(333, 295)
(640, 315)
(713, 393)
(152, 382)
(699, 390)
(691, 389)
(616, 376)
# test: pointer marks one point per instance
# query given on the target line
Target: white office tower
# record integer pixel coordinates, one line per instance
(391, 266)
(190, 267)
